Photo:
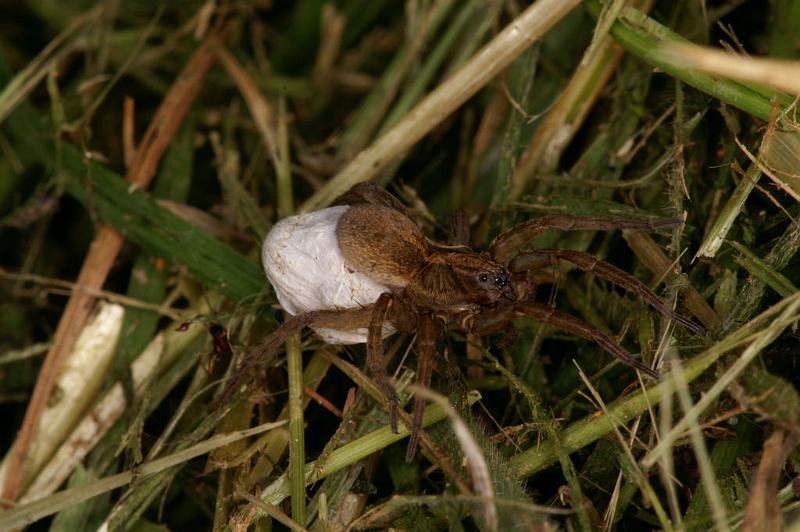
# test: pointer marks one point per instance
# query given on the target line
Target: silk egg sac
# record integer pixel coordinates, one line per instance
(305, 266)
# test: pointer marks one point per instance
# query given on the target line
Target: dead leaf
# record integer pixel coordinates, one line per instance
(763, 510)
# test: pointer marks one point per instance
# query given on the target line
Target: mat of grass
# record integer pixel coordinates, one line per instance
(148, 147)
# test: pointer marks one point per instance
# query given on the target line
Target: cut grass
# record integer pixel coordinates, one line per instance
(504, 111)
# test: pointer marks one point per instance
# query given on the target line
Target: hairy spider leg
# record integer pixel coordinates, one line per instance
(458, 228)
(528, 260)
(375, 354)
(427, 334)
(507, 244)
(494, 320)
(354, 318)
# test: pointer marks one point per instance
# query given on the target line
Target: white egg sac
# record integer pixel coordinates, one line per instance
(302, 260)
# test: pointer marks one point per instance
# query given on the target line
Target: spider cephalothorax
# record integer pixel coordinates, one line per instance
(452, 279)
(360, 270)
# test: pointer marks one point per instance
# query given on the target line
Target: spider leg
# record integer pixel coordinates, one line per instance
(375, 354)
(495, 319)
(458, 228)
(333, 319)
(587, 262)
(510, 336)
(457, 234)
(506, 244)
(427, 334)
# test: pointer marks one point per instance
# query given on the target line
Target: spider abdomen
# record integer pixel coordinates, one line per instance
(381, 243)
(302, 260)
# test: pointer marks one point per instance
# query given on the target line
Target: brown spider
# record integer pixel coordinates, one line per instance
(418, 285)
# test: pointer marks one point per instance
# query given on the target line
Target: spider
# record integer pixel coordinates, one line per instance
(362, 269)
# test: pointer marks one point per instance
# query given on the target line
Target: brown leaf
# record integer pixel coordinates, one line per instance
(763, 510)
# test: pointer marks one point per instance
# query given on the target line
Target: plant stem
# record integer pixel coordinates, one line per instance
(439, 104)
(294, 356)
(643, 36)
(354, 451)
(591, 428)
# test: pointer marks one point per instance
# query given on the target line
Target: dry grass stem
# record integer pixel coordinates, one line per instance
(147, 150)
(431, 111)
(783, 75)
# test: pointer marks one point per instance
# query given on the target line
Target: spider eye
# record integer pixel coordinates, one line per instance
(484, 277)
(500, 281)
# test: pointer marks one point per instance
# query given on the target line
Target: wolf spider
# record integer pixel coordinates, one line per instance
(427, 285)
